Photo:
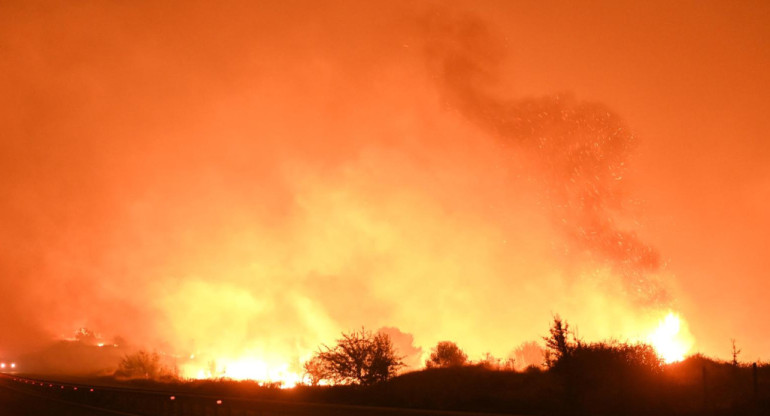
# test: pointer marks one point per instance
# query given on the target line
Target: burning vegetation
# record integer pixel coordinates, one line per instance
(572, 376)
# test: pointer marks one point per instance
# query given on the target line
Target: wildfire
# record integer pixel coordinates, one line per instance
(671, 339)
(668, 335)
(245, 369)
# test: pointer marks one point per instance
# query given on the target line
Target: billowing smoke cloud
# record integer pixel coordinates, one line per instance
(234, 186)
(411, 356)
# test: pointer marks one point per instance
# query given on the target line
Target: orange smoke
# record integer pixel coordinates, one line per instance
(242, 183)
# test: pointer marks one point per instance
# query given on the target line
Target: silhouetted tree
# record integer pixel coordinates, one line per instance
(359, 357)
(736, 351)
(561, 343)
(446, 354)
(316, 370)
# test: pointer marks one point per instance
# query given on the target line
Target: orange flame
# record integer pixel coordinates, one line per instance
(671, 339)
(244, 368)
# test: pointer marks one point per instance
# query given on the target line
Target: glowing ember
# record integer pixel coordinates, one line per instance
(670, 340)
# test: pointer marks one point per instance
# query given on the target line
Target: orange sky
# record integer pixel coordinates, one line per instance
(253, 179)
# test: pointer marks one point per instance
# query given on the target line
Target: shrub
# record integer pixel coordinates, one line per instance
(446, 354)
(358, 358)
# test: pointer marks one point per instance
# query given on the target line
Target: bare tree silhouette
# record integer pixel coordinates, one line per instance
(317, 370)
(359, 357)
(735, 352)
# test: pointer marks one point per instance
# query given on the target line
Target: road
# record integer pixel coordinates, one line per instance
(21, 396)
(19, 402)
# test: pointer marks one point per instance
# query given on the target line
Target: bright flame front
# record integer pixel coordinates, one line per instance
(245, 369)
(670, 340)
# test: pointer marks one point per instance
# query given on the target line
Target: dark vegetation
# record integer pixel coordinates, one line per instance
(145, 365)
(446, 355)
(359, 357)
(577, 378)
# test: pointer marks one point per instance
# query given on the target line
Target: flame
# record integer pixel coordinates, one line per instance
(671, 339)
(244, 368)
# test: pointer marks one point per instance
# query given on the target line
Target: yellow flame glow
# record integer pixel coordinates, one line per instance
(671, 339)
(668, 335)
(245, 369)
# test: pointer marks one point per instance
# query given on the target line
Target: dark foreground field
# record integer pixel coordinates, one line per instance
(18, 401)
(697, 386)
(35, 396)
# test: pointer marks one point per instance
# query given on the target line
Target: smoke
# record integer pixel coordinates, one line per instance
(410, 355)
(85, 353)
(249, 181)
(580, 148)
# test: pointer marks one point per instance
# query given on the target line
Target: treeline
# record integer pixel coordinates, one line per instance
(364, 358)
(576, 378)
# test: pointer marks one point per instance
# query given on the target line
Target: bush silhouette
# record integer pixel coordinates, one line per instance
(446, 354)
(358, 358)
(139, 365)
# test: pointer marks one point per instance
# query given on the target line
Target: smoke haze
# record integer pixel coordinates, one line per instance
(250, 180)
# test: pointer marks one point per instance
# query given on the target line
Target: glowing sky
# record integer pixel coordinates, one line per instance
(251, 179)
